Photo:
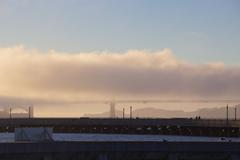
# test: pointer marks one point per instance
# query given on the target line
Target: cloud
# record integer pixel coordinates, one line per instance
(54, 76)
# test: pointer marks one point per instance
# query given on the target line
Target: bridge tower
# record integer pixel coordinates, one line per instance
(112, 109)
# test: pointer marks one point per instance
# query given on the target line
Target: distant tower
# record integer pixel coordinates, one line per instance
(112, 109)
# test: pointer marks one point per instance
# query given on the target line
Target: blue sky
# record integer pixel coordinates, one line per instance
(196, 30)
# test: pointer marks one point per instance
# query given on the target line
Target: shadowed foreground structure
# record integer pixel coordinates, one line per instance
(120, 151)
(178, 126)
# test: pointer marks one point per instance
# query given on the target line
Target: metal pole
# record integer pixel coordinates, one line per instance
(29, 112)
(123, 113)
(130, 112)
(227, 115)
(235, 113)
(10, 113)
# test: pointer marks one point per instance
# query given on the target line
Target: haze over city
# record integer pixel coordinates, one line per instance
(54, 54)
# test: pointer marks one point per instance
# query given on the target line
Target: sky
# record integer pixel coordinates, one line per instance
(198, 31)
(62, 51)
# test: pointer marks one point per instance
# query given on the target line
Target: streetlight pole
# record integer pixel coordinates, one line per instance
(235, 113)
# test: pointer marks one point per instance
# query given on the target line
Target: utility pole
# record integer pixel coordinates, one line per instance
(29, 112)
(227, 129)
(10, 113)
(130, 112)
(227, 115)
(235, 113)
(123, 113)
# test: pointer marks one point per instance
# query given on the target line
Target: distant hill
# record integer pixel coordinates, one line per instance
(217, 112)
(161, 113)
